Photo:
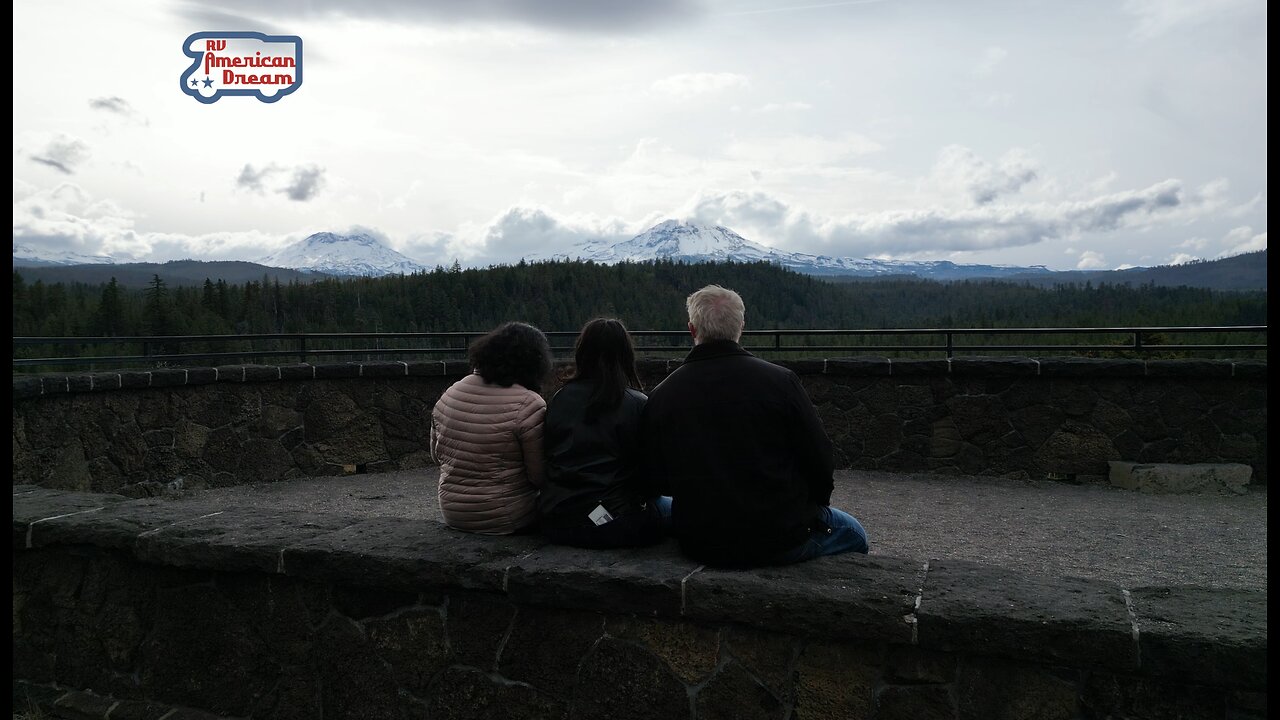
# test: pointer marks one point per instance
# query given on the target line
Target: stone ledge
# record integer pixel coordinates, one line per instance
(943, 605)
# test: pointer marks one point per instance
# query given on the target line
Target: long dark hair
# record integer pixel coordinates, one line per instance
(512, 353)
(605, 357)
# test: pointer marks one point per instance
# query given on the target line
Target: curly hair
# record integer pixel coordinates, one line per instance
(605, 356)
(512, 353)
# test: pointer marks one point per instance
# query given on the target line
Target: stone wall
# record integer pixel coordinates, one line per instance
(148, 608)
(140, 432)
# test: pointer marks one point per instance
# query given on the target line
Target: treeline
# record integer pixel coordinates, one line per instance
(563, 295)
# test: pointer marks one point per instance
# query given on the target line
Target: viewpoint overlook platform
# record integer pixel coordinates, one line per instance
(186, 545)
(982, 598)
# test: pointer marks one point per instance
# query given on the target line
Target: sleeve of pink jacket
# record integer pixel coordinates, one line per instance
(529, 433)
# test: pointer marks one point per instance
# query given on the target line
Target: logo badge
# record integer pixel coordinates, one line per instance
(267, 67)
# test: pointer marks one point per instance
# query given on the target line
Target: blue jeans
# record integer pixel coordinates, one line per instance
(837, 532)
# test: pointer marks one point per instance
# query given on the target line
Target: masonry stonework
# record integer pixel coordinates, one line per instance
(141, 433)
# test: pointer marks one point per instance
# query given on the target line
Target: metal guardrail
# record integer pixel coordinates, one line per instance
(303, 347)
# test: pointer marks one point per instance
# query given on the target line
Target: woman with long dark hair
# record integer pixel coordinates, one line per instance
(486, 433)
(596, 494)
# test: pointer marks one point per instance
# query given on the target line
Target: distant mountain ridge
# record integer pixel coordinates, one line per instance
(27, 256)
(174, 273)
(333, 254)
(694, 242)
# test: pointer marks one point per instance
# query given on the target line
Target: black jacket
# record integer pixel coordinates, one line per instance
(737, 443)
(590, 465)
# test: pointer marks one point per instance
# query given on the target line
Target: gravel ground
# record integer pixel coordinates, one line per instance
(1039, 527)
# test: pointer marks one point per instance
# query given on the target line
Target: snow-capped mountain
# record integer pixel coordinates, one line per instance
(27, 256)
(358, 254)
(692, 242)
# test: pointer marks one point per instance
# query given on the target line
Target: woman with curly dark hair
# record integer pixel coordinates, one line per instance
(596, 493)
(486, 433)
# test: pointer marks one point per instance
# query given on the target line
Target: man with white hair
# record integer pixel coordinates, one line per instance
(738, 445)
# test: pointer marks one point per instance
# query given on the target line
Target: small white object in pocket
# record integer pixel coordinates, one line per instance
(600, 516)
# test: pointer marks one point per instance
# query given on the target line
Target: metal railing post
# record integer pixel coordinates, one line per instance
(950, 345)
(302, 348)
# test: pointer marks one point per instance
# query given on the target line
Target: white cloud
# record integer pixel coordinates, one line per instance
(793, 106)
(63, 153)
(960, 168)
(1243, 240)
(1194, 244)
(1157, 17)
(991, 57)
(1181, 259)
(774, 221)
(1091, 260)
(687, 85)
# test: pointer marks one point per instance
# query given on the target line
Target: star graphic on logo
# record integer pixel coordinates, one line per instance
(193, 83)
(207, 81)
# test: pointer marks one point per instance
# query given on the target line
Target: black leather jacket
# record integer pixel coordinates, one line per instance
(590, 465)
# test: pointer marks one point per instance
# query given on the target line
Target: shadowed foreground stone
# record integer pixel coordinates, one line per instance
(621, 681)
(1071, 620)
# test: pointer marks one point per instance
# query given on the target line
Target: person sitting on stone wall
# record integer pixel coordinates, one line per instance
(486, 433)
(739, 446)
(595, 494)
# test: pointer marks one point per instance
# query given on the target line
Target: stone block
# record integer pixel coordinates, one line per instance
(26, 387)
(850, 596)
(986, 610)
(989, 690)
(908, 702)
(383, 369)
(691, 650)
(79, 383)
(466, 694)
(54, 385)
(407, 554)
(201, 376)
(430, 368)
(621, 681)
(33, 507)
(297, 371)
(1203, 635)
(1189, 368)
(168, 377)
(545, 643)
(457, 367)
(261, 373)
(864, 366)
(231, 373)
(906, 368)
(835, 681)
(337, 370)
(238, 538)
(1091, 367)
(118, 525)
(645, 581)
(1249, 369)
(733, 694)
(1173, 478)
(478, 623)
(994, 366)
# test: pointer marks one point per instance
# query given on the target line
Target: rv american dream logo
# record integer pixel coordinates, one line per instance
(267, 67)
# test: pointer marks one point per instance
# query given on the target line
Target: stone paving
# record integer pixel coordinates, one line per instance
(1039, 527)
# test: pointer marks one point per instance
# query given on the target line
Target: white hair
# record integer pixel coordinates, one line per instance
(716, 313)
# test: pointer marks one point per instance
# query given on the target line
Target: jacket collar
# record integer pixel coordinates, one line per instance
(715, 349)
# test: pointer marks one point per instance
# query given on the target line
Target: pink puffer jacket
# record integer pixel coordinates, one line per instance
(488, 442)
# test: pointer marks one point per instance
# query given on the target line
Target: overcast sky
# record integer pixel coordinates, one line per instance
(1073, 135)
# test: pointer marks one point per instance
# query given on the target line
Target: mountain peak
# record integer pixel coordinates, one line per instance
(355, 254)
